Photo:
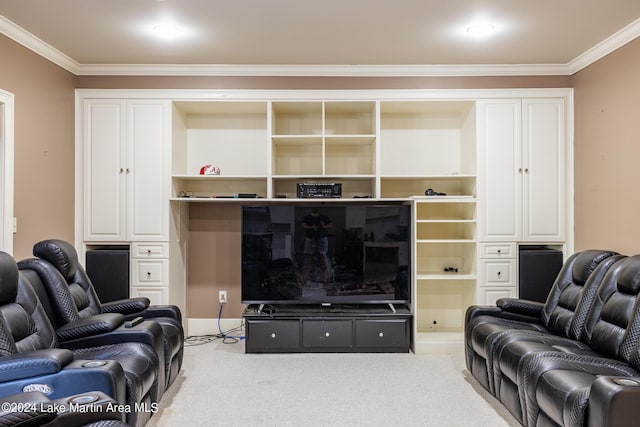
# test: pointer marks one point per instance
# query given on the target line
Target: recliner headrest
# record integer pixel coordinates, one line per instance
(59, 253)
(629, 276)
(8, 278)
(586, 262)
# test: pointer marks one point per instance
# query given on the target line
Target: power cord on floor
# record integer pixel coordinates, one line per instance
(226, 337)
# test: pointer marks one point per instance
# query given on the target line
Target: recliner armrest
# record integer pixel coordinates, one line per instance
(154, 311)
(35, 363)
(94, 325)
(126, 306)
(614, 401)
(521, 306)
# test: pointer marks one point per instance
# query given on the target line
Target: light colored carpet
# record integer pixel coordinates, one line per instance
(220, 385)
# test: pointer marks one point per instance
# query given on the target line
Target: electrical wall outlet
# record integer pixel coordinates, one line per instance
(222, 297)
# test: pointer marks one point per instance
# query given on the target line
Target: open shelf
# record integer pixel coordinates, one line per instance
(350, 118)
(441, 305)
(296, 156)
(411, 186)
(297, 118)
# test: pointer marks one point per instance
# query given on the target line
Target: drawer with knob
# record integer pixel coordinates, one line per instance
(150, 272)
(382, 334)
(272, 336)
(497, 250)
(498, 272)
(149, 250)
(327, 333)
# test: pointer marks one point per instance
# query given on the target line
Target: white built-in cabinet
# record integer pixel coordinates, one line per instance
(522, 195)
(502, 157)
(125, 170)
(521, 168)
(126, 184)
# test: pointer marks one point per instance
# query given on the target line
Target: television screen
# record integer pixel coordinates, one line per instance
(331, 253)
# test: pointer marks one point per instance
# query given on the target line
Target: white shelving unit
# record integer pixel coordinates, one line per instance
(385, 145)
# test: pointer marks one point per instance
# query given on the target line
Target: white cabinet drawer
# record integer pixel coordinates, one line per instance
(157, 295)
(497, 250)
(489, 295)
(150, 272)
(498, 272)
(149, 250)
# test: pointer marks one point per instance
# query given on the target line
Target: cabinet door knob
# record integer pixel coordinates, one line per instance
(326, 334)
(499, 273)
(121, 170)
(273, 335)
(148, 274)
(520, 170)
(499, 251)
(526, 170)
(148, 251)
(381, 334)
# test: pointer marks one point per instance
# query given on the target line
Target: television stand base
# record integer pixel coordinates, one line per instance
(312, 329)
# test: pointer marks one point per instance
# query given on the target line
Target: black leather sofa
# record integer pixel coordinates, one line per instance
(573, 361)
(73, 287)
(31, 357)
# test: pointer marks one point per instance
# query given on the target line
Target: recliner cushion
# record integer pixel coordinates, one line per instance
(59, 253)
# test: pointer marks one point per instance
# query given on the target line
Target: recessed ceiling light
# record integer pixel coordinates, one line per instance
(481, 30)
(167, 30)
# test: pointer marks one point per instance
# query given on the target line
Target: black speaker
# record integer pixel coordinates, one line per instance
(538, 266)
(108, 269)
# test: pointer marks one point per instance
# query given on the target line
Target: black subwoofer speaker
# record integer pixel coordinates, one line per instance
(108, 269)
(538, 266)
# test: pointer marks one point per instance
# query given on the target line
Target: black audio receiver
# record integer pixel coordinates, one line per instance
(319, 190)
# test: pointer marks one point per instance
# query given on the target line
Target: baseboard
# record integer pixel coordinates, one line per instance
(197, 327)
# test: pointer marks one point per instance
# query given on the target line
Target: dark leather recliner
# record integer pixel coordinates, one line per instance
(30, 345)
(580, 377)
(564, 312)
(556, 380)
(29, 358)
(63, 256)
(79, 331)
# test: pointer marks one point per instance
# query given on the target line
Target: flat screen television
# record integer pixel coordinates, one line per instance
(326, 253)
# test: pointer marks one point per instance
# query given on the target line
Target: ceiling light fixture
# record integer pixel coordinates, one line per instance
(481, 30)
(167, 30)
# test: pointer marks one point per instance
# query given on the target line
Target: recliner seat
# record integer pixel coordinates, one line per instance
(63, 256)
(563, 312)
(585, 377)
(29, 357)
(27, 338)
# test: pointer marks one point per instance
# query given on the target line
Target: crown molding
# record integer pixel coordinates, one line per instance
(322, 70)
(605, 47)
(52, 54)
(28, 40)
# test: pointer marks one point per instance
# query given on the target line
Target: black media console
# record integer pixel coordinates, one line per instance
(317, 329)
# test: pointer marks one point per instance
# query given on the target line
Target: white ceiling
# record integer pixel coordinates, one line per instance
(359, 37)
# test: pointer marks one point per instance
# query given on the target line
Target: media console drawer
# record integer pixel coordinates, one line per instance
(382, 334)
(327, 333)
(309, 330)
(265, 336)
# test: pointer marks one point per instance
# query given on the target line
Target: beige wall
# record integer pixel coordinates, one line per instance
(607, 122)
(607, 152)
(44, 145)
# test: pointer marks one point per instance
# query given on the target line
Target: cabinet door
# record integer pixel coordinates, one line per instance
(104, 160)
(543, 163)
(499, 170)
(147, 170)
